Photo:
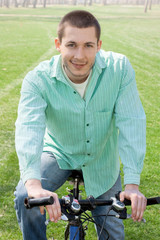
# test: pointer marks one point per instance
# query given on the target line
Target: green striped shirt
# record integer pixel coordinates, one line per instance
(88, 134)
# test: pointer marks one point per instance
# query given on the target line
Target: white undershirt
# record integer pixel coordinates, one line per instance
(79, 87)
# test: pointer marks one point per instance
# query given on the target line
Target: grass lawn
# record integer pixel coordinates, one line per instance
(27, 40)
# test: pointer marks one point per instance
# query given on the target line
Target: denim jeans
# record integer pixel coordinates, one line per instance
(32, 223)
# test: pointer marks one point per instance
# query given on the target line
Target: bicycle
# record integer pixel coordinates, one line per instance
(74, 209)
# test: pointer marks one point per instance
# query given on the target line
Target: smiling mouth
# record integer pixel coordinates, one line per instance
(78, 65)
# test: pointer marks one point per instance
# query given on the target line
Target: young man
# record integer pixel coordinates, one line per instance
(82, 110)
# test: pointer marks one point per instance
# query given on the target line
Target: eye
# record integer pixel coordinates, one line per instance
(71, 45)
(89, 45)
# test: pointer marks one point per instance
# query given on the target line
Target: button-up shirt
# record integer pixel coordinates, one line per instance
(89, 134)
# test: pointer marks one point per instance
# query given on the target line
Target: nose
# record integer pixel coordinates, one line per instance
(79, 53)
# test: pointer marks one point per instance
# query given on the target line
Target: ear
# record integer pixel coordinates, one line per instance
(57, 44)
(99, 45)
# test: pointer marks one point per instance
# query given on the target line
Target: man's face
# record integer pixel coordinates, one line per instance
(78, 49)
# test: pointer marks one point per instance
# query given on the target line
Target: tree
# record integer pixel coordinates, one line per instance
(150, 4)
(7, 3)
(34, 3)
(146, 6)
(44, 3)
(25, 3)
(16, 3)
(104, 2)
(74, 2)
(1, 3)
(85, 2)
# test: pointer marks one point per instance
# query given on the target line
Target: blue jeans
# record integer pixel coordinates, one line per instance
(32, 223)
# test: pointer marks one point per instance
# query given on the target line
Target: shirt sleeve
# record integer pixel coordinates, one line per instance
(30, 129)
(131, 122)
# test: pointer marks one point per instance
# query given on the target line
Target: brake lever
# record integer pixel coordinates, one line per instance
(130, 216)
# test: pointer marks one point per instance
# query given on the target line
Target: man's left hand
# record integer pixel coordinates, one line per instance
(138, 201)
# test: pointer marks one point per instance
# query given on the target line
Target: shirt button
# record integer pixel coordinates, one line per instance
(74, 92)
(87, 124)
(88, 154)
(87, 141)
(84, 165)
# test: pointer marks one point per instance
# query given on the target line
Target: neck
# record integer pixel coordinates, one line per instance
(77, 79)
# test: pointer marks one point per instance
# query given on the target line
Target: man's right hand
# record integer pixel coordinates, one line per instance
(35, 190)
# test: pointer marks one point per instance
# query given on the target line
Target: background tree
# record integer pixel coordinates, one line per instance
(150, 4)
(34, 3)
(7, 3)
(25, 3)
(1, 3)
(16, 3)
(146, 6)
(44, 3)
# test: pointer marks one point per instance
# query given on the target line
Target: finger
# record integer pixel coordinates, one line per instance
(122, 196)
(54, 210)
(42, 210)
(134, 203)
(143, 207)
(139, 210)
(50, 210)
(58, 207)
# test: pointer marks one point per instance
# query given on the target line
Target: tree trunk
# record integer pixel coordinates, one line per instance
(25, 3)
(1, 3)
(16, 4)
(85, 2)
(74, 2)
(150, 4)
(7, 3)
(146, 6)
(90, 3)
(34, 3)
(44, 3)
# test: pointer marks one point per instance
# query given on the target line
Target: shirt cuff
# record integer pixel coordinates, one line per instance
(30, 174)
(132, 178)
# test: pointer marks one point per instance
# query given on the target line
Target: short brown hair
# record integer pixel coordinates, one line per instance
(79, 19)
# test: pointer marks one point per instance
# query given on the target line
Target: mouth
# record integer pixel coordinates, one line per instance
(78, 65)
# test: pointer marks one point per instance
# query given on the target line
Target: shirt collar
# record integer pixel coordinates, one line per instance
(56, 70)
(100, 60)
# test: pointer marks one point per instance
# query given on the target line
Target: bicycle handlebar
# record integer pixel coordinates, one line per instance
(150, 201)
(88, 203)
(37, 202)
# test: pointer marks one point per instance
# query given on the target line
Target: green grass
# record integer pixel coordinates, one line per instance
(25, 41)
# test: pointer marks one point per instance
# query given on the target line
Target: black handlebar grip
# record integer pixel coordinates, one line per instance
(150, 201)
(154, 200)
(37, 202)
